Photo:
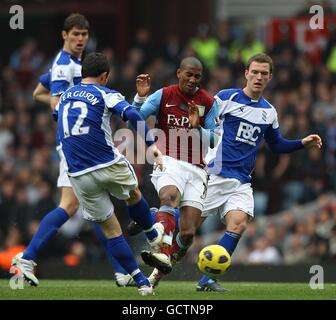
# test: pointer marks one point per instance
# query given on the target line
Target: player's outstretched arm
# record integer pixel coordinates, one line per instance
(41, 94)
(143, 85)
(312, 141)
(139, 124)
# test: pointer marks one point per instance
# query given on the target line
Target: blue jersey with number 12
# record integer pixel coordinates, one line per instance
(83, 127)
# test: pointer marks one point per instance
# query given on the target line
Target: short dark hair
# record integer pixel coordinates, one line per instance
(95, 64)
(261, 58)
(191, 61)
(75, 20)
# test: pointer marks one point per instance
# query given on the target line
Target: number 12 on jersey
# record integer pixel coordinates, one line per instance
(77, 129)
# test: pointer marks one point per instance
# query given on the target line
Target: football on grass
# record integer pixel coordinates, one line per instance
(214, 260)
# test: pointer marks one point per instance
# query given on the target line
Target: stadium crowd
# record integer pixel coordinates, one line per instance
(302, 91)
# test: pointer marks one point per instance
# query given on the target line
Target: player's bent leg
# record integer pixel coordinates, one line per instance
(169, 198)
(48, 227)
(236, 222)
(122, 278)
(120, 250)
(190, 221)
(133, 228)
(139, 211)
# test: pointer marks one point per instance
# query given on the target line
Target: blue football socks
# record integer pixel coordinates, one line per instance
(229, 241)
(119, 249)
(101, 237)
(141, 214)
(48, 227)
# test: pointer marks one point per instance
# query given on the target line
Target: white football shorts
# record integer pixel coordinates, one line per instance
(226, 194)
(93, 189)
(189, 179)
(63, 179)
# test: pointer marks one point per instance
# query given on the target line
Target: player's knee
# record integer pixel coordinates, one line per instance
(168, 199)
(238, 226)
(70, 207)
(187, 235)
(135, 196)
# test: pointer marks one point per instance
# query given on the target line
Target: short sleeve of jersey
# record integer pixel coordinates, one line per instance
(61, 76)
(210, 120)
(223, 98)
(45, 80)
(152, 104)
(116, 103)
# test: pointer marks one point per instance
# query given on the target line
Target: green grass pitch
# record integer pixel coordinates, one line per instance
(168, 290)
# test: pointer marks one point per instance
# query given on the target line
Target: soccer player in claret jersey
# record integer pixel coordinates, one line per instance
(246, 118)
(183, 182)
(95, 166)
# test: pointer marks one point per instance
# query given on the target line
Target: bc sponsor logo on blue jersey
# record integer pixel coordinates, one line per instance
(248, 133)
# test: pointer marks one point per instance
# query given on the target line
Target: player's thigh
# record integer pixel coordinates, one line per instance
(95, 201)
(196, 187)
(219, 191)
(119, 180)
(240, 205)
(171, 175)
(170, 196)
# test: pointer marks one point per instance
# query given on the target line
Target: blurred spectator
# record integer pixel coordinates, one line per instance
(205, 46)
(172, 50)
(295, 253)
(12, 246)
(264, 253)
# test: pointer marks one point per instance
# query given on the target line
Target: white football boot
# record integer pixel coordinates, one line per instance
(26, 267)
(146, 291)
(124, 280)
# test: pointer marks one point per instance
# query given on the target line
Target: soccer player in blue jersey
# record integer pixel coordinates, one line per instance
(246, 119)
(42, 94)
(64, 73)
(95, 166)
